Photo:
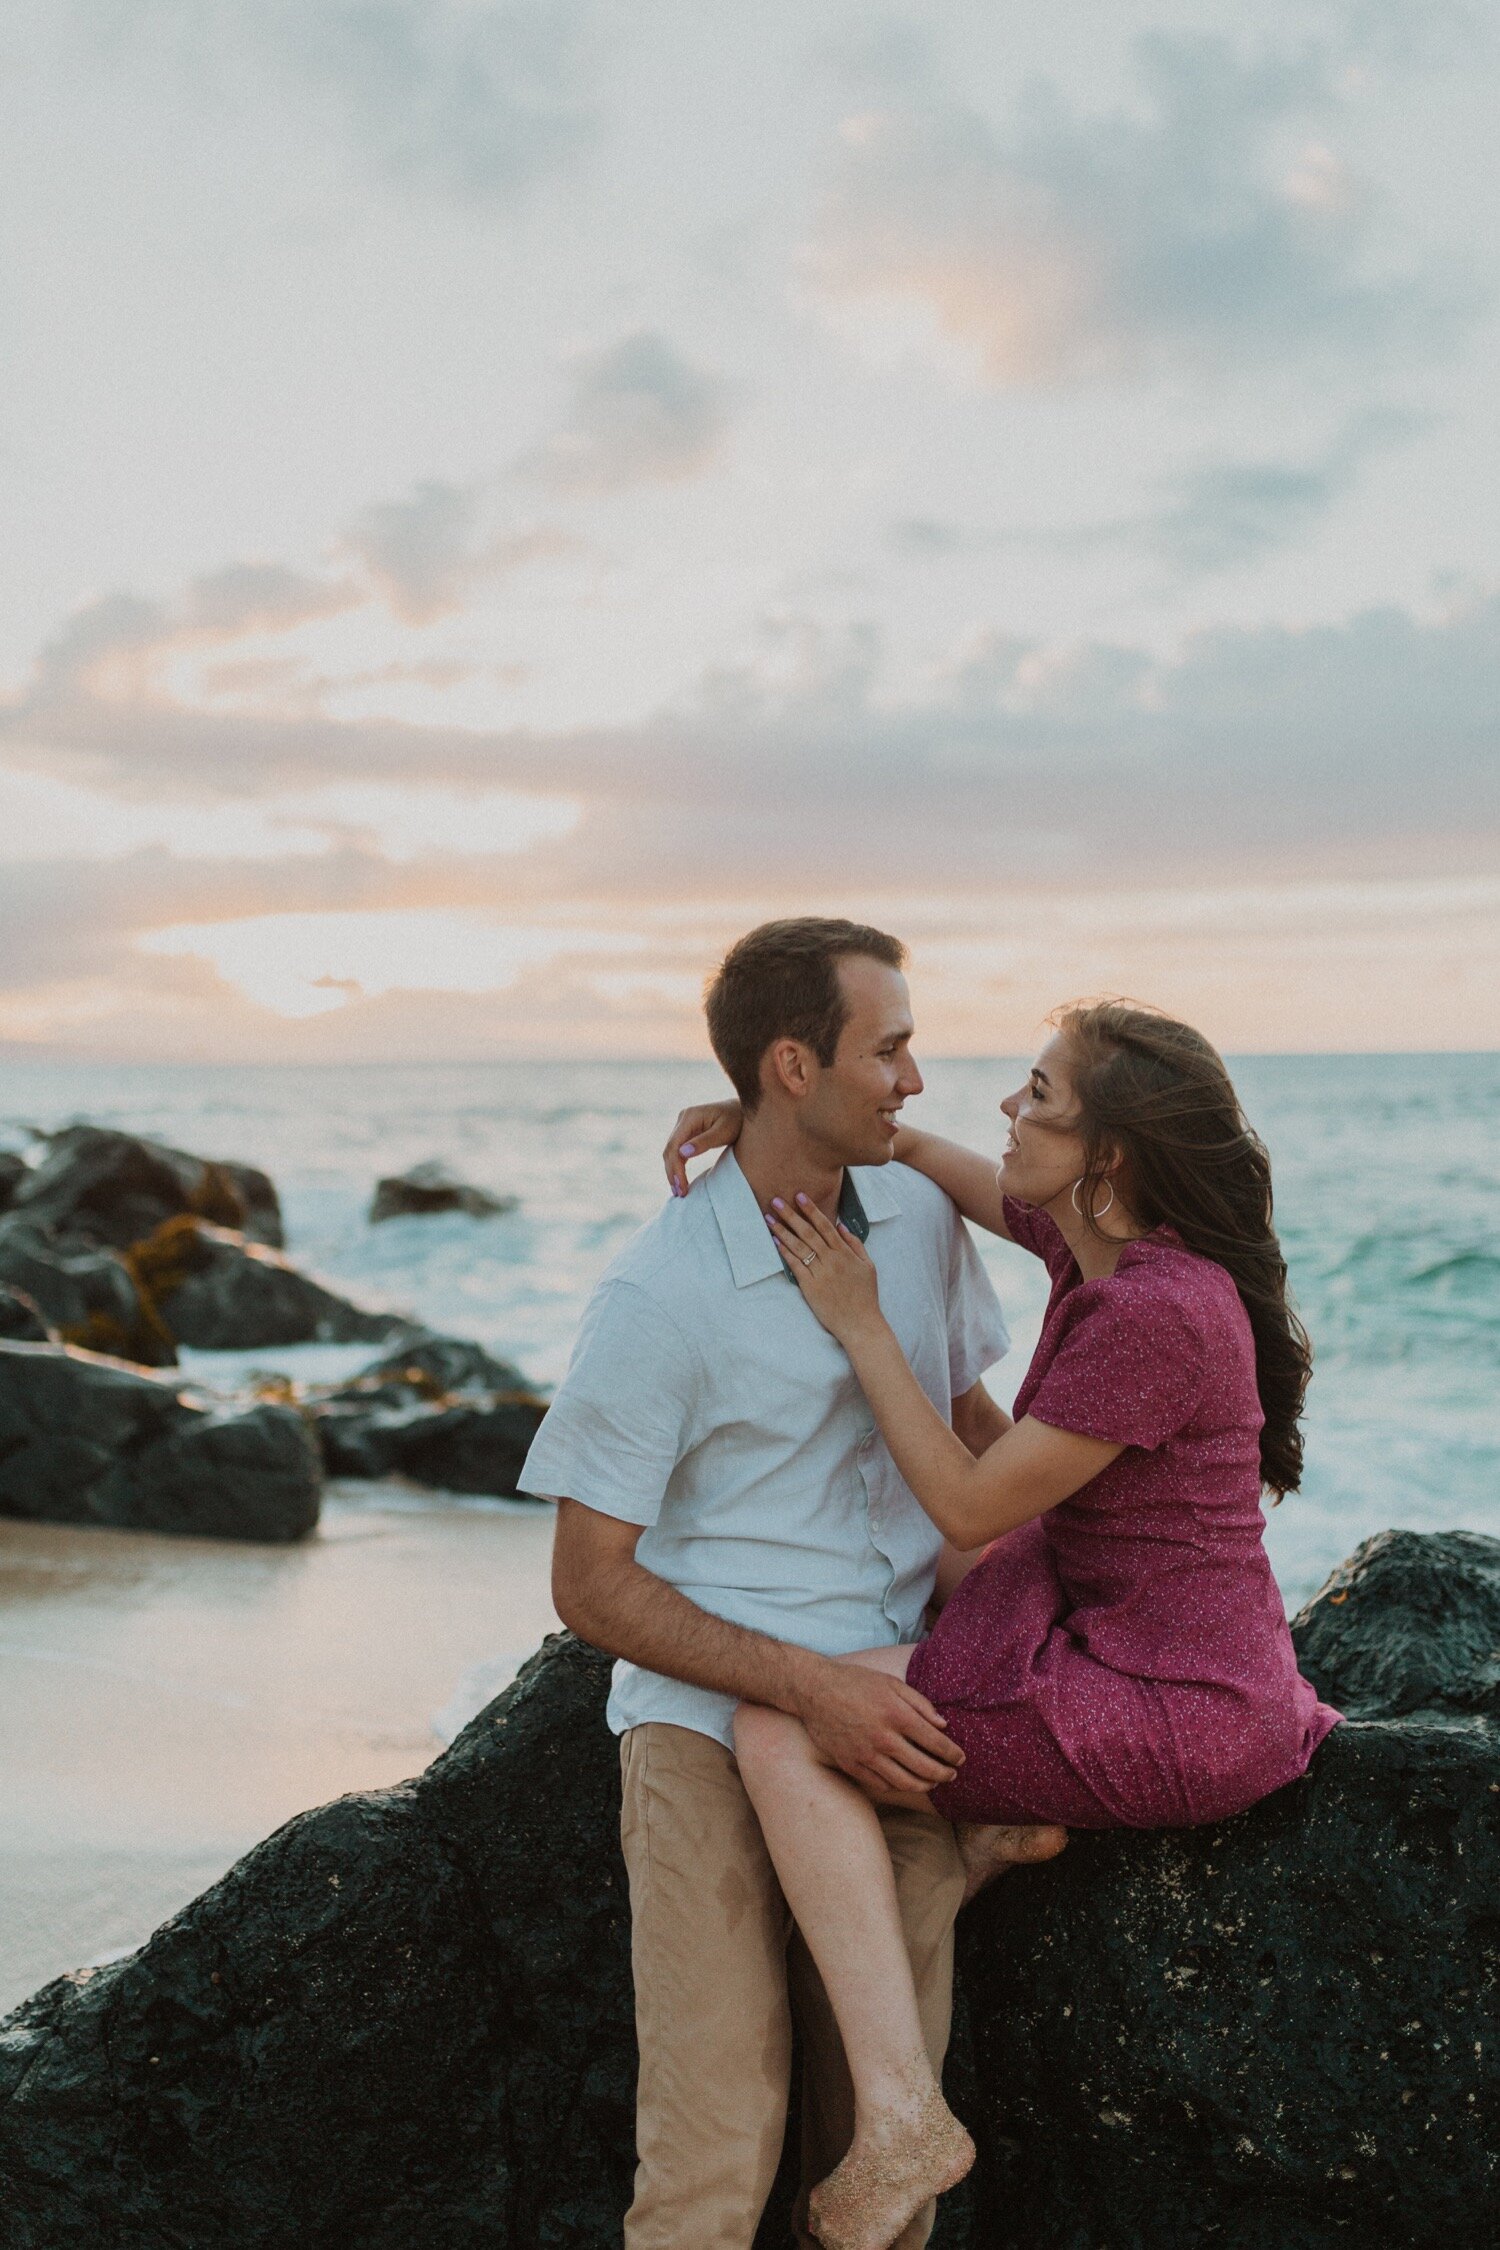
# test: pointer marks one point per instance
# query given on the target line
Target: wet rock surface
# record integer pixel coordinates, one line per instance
(13, 1170)
(431, 1187)
(114, 1188)
(22, 1319)
(189, 1282)
(84, 1439)
(405, 2019)
(86, 1293)
(439, 1410)
(216, 1290)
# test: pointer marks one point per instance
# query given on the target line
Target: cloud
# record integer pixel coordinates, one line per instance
(475, 98)
(641, 413)
(1281, 806)
(1366, 736)
(113, 648)
(422, 555)
(425, 553)
(1213, 516)
(1224, 514)
(1372, 739)
(1182, 232)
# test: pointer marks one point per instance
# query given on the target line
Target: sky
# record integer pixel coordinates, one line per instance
(502, 495)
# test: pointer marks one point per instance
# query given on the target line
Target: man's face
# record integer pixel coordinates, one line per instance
(852, 1106)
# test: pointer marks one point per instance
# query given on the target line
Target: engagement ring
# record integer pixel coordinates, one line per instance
(807, 1261)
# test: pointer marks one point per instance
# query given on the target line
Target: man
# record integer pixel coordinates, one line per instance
(728, 1523)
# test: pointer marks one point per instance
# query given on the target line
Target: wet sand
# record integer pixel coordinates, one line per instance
(164, 1703)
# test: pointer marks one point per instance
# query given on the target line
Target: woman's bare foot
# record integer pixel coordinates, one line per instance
(987, 1852)
(901, 2158)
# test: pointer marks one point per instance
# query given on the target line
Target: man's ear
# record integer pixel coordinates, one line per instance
(786, 1068)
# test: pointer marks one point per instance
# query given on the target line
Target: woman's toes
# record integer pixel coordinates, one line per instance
(988, 1851)
(1044, 1841)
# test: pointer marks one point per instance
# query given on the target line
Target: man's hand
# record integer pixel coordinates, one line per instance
(880, 1732)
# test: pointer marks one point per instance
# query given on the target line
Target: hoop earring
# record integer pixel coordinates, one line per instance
(1094, 1216)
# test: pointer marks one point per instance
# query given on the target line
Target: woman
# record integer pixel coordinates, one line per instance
(1118, 1654)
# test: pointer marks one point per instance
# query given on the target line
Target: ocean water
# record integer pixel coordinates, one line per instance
(1388, 1198)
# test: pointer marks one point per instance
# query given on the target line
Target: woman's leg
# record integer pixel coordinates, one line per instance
(825, 1839)
(986, 1848)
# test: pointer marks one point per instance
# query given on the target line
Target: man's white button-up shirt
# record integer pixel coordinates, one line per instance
(704, 1402)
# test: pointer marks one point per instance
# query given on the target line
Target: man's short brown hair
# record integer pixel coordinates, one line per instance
(781, 981)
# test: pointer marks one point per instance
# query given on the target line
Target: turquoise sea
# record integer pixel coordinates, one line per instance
(1388, 1192)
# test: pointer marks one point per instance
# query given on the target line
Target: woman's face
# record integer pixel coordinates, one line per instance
(1045, 1153)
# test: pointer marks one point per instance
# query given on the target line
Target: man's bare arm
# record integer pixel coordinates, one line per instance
(879, 1731)
(978, 1420)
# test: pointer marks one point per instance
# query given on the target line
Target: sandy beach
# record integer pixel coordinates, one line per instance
(165, 1703)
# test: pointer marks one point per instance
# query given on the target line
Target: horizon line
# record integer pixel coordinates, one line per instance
(21, 1052)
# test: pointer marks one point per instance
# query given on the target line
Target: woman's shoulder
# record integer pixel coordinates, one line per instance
(1033, 1229)
(1158, 1276)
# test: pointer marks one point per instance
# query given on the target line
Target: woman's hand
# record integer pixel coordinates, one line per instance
(710, 1125)
(833, 1271)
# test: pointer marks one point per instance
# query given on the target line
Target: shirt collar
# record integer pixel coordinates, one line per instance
(748, 1241)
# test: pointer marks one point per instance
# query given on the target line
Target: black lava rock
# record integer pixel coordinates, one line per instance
(21, 1318)
(404, 2020)
(429, 1366)
(477, 1449)
(1411, 1622)
(13, 1170)
(219, 1291)
(115, 1188)
(90, 1440)
(432, 1187)
(438, 1410)
(88, 1294)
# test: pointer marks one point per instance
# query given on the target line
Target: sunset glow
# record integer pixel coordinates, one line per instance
(1030, 483)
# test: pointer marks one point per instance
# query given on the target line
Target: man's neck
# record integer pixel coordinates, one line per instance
(778, 1160)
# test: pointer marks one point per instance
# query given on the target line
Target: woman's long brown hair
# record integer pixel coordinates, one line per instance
(1155, 1093)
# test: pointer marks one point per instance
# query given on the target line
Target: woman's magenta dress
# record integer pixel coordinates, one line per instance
(1124, 1660)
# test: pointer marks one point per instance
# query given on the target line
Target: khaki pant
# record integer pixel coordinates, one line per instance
(719, 1969)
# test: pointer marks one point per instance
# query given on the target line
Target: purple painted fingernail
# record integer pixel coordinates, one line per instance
(801, 1198)
(777, 1204)
(688, 1148)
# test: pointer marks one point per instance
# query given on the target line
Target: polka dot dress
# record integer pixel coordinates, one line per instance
(1124, 1660)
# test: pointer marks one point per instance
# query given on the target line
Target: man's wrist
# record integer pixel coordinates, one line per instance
(802, 1674)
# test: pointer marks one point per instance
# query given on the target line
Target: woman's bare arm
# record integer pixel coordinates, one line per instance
(707, 1125)
(1028, 1469)
(962, 1173)
(965, 1176)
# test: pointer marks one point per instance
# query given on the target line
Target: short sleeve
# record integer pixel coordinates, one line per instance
(977, 1334)
(1032, 1229)
(619, 1423)
(1130, 1368)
